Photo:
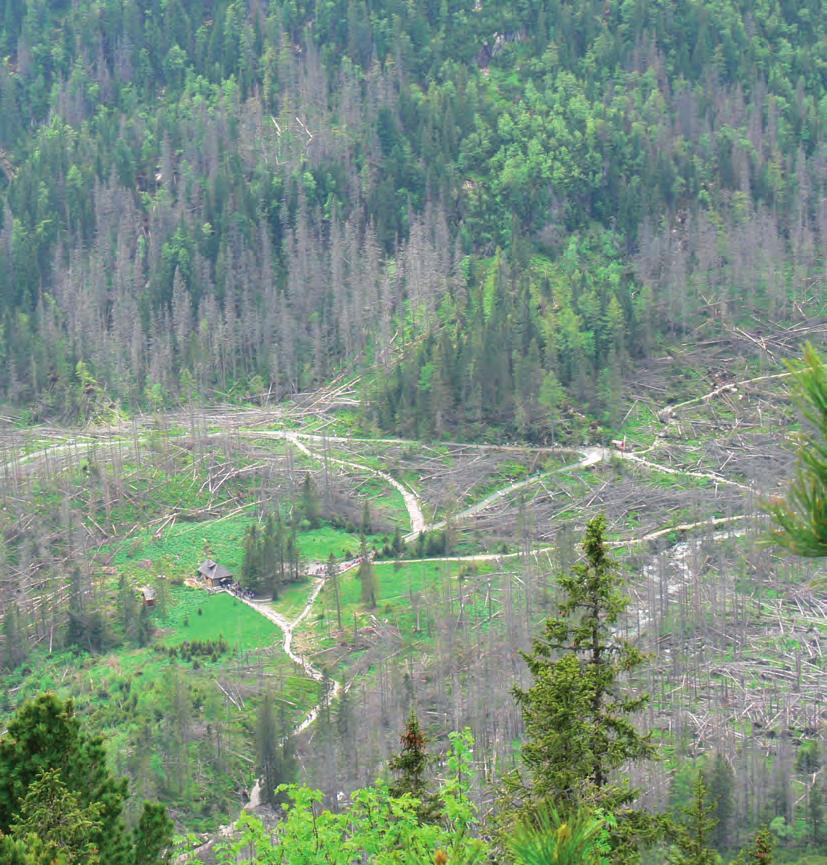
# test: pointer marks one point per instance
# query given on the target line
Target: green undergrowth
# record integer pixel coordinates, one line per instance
(386, 501)
(404, 601)
(638, 426)
(192, 615)
(146, 700)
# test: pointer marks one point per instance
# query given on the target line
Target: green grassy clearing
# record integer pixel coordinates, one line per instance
(182, 546)
(197, 615)
(316, 545)
(386, 500)
(400, 590)
(638, 425)
(192, 615)
(292, 598)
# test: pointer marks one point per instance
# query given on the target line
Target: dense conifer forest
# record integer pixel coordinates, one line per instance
(413, 432)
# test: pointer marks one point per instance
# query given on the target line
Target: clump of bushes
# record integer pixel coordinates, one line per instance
(191, 650)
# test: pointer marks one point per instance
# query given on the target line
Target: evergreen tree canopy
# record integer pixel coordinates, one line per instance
(759, 852)
(271, 556)
(245, 199)
(802, 518)
(48, 764)
(410, 768)
(579, 723)
(720, 782)
(692, 837)
(52, 814)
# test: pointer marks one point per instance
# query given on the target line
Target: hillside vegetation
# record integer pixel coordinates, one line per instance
(458, 334)
(487, 202)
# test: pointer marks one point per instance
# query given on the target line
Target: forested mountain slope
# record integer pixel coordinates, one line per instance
(494, 204)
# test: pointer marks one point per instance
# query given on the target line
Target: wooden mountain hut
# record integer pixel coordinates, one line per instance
(214, 575)
(148, 595)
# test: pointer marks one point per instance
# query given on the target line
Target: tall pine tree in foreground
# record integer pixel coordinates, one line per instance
(54, 783)
(580, 731)
(802, 518)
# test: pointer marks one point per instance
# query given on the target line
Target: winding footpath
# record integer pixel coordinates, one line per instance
(410, 498)
(334, 687)
(590, 456)
(288, 629)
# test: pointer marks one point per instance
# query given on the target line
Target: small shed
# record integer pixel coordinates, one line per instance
(148, 595)
(214, 575)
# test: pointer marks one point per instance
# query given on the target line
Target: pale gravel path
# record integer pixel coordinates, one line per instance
(712, 476)
(288, 628)
(410, 498)
(590, 456)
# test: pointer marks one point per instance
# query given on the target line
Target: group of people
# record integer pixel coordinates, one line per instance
(239, 591)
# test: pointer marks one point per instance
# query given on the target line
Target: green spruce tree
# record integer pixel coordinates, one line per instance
(152, 837)
(269, 554)
(397, 544)
(309, 502)
(759, 852)
(815, 812)
(720, 781)
(77, 626)
(144, 628)
(332, 575)
(367, 578)
(127, 608)
(267, 747)
(31, 851)
(45, 736)
(579, 721)
(251, 564)
(15, 642)
(692, 837)
(53, 815)
(366, 525)
(410, 768)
